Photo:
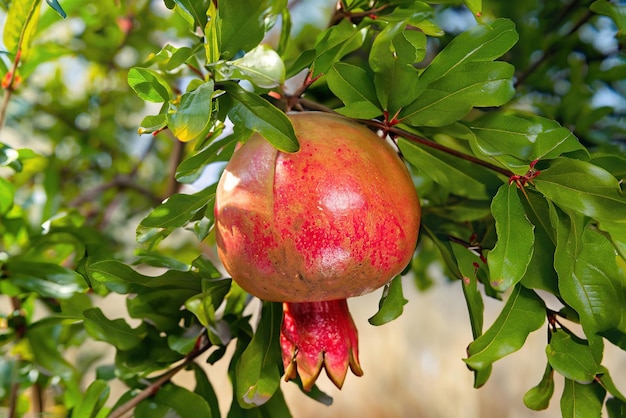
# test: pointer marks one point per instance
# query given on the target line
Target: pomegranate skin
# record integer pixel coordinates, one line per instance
(339, 218)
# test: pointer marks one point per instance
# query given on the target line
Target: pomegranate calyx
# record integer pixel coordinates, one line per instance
(316, 335)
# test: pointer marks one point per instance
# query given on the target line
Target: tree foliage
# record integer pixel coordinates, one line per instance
(112, 111)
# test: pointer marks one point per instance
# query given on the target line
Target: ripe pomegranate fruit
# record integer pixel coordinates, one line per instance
(339, 218)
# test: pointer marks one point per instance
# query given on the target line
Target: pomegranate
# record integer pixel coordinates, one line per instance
(339, 218)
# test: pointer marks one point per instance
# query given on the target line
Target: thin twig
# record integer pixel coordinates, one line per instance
(413, 138)
(175, 158)
(156, 385)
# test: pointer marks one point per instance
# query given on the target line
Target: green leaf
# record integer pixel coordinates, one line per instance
(149, 85)
(21, 25)
(353, 86)
(538, 397)
(95, 396)
(120, 278)
(44, 339)
(573, 357)
(589, 278)
(57, 8)
(174, 401)
(190, 119)
(391, 303)
(212, 33)
(192, 168)
(616, 408)
(523, 313)
(262, 66)
(580, 400)
(524, 137)
(459, 177)
(244, 24)
(435, 108)
(161, 307)
(115, 332)
(613, 10)
(584, 188)
(259, 115)
(475, 6)
(7, 191)
(467, 262)
(607, 382)
(334, 43)
(152, 123)
(259, 367)
(480, 43)
(178, 209)
(193, 11)
(513, 251)
(46, 279)
(204, 388)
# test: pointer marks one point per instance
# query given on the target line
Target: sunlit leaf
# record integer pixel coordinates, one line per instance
(262, 66)
(258, 115)
(336, 42)
(190, 119)
(178, 209)
(21, 25)
(353, 85)
(149, 85)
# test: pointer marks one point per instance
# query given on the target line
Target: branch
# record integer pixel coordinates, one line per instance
(413, 138)
(120, 182)
(156, 385)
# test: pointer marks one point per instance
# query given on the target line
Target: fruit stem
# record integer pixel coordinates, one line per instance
(316, 335)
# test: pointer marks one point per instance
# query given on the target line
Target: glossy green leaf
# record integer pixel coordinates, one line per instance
(152, 123)
(580, 400)
(96, 395)
(589, 279)
(538, 397)
(435, 108)
(353, 85)
(336, 42)
(190, 119)
(450, 172)
(523, 313)
(258, 115)
(259, 367)
(513, 251)
(149, 85)
(480, 43)
(116, 332)
(525, 137)
(391, 303)
(262, 66)
(242, 31)
(162, 307)
(584, 188)
(573, 357)
(21, 25)
(178, 209)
